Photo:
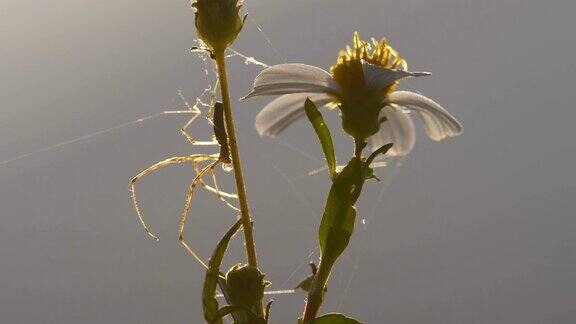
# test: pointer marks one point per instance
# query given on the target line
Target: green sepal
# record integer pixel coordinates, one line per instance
(335, 318)
(214, 276)
(323, 133)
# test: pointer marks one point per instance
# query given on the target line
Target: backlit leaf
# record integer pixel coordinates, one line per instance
(323, 134)
(213, 276)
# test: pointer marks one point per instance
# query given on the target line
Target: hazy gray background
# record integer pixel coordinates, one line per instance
(480, 229)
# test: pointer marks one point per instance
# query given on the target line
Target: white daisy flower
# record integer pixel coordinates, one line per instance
(362, 84)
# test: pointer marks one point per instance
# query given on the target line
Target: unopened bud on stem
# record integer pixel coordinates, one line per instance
(218, 22)
(245, 285)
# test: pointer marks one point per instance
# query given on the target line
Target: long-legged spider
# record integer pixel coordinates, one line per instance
(223, 157)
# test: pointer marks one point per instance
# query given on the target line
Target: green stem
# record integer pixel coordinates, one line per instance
(359, 146)
(317, 290)
(240, 187)
(220, 59)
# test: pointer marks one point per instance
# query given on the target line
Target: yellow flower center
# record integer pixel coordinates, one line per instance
(348, 68)
(359, 103)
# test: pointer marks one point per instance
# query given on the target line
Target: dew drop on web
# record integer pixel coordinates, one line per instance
(227, 167)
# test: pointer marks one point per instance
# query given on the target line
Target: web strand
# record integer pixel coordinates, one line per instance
(268, 41)
(364, 239)
(200, 102)
(79, 139)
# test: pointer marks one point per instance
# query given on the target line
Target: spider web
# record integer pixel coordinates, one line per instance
(203, 102)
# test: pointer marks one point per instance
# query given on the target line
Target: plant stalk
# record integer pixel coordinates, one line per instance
(235, 154)
(316, 293)
(220, 59)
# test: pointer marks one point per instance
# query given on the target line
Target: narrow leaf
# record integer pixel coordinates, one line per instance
(209, 302)
(382, 150)
(335, 318)
(337, 223)
(323, 134)
(338, 220)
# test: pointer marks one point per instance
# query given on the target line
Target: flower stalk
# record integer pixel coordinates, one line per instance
(362, 85)
(247, 223)
(316, 293)
(218, 23)
(236, 163)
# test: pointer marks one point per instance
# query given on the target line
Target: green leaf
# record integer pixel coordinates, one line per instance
(382, 150)
(337, 236)
(337, 222)
(323, 134)
(335, 318)
(213, 276)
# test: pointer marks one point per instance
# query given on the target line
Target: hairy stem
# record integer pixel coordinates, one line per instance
(220, 59)
(235, 154)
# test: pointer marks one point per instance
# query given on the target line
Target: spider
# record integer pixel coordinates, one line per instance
(223, 157)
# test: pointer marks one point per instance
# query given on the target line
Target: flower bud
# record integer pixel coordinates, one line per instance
(245, 285)
(218, 22)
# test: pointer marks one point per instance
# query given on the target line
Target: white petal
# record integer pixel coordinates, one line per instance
(381, 77)
(293, 78)
(398, 129)
(283, 111)
(438, 122)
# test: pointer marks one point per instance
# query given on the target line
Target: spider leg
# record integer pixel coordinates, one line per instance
(189, 137)
(195, 111)
(222, 195)
(217, 191)
(195, 114)
(172, 160)
(185, 212)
